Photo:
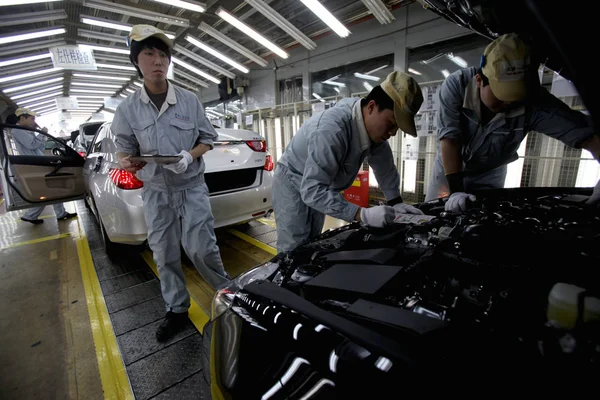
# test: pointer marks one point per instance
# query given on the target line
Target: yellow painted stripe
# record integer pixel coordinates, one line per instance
(33, 241)
(196, 314)
(251, 240)
(266, 221)
(115, 382)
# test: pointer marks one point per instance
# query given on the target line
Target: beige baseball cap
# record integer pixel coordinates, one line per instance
(141, 32)
(407, 96)
(24, 111)
(505, 63)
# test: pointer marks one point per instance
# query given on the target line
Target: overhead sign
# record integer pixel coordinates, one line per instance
(68, 103)
(64, 116)
(73, 57)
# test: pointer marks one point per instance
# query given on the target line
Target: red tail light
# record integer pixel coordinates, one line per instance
(257, 145)
(269, 163)
(82, 153)
(125, 180)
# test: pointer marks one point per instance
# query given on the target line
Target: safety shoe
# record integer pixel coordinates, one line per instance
(67, 216)
(173, 324)
(33, 221)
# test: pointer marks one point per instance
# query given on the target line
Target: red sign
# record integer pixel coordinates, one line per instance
(358, 193)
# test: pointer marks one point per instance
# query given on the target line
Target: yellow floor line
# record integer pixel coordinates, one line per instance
(115, 382)
(196, 314)
(33, 241)
(267, 221)
(251, 240)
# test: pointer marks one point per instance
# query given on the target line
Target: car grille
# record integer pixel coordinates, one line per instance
(230, 180)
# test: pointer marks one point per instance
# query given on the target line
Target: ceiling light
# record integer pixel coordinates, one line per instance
(136, 12)
(282, 23)
(446, 73)
(97, 85)
(121, 67)
(316, 96)
(136, 83)
(116, 78)
(182, 83)
(20, 96)
(327, 17)
(29, 74)
(122, 95)
(414, 71)
(41, 103)
(20, 48)
(379, 11)
(83, 109)
(32, 17)
(27, 101)
(32, 85)
(377, 69)
(216, 53)
(107, 49)
(251, 32)
(90, 102)
(195, 70)
(329, 82)
(367, 77)
(458, 60)
(368, 86)
(190, 78)
(92, 91)
(20, 2)
(188, 5)
(105, 23)
(31, 35)
(232, 44)
(79, 96)
(38, 110)
(204, 61)
(128, 90)
(24, 59)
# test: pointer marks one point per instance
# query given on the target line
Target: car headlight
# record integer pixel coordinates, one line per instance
(224, 297)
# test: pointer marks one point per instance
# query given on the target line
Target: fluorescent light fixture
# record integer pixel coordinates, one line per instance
(139, 84)
(337, 90)
(232, 44)
(123, 95)
(115, 78)
(327, 17)
(316, 96)
(85, 96)
(195, 70)
(377, 69)
(31, 35)
(414, 71)
(107, 49)
(379, 11)
(24, 59)
(108, 37)
(136, 12)
(367, 77)
(42, 103)
(32, 17)
(332, 83)
(204, 61)
(121, 67)
(282, 23)
(96, 85)
(190, 78)
(446, 73)
(217, 54)
(90, 102)
(32, 85)
(104, 110)
(128, 90)
(182, 83)
(27, 101)
(188, 5)
(83, 109)
(21, 2)
(242, 27)
(20, 96)
(458, 60)
(92, 91)
(368, 86)
(29, 74)
(105, 23)
(40, 110)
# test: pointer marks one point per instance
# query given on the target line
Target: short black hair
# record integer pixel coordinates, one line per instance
(383, 101)
(150, 43)
(12, 119)
(484, 78)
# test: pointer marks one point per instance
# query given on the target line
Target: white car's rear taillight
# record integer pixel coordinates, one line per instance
(125, 180)
(257, 145)
(269, 163)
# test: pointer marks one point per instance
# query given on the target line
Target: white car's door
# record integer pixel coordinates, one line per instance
(37, 180)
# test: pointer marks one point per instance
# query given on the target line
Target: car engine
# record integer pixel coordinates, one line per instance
(513, 278)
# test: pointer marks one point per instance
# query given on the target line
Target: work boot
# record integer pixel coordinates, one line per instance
(33, 221)
(67, 216)
(172, 325)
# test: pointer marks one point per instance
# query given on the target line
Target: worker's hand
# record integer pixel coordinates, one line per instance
(402, 208)
(378, 216)
(595, 197)
(458, 202)
(181, 166)
(126, 164)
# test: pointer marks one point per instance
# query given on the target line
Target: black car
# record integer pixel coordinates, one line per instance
(507, 291)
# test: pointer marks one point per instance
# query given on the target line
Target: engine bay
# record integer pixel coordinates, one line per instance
(514, 277)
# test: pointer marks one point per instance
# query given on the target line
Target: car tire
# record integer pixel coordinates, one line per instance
(206, 340)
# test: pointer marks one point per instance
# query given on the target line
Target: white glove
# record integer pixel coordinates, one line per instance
(595, 197)
(378, 216)
(458, 202)
(181, 166)
(402, 208)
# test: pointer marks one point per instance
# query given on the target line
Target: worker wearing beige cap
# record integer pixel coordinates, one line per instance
(484, 116)
(327, 152)
(29, 143)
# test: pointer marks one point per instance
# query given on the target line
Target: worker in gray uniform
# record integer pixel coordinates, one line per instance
(29, 143)
(327, 152)
(162, 119)
(484, 116)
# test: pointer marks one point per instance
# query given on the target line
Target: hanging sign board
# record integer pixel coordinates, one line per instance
(69, 103)
(73, 57)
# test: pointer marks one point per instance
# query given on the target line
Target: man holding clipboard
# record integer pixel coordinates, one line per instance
(164, 120)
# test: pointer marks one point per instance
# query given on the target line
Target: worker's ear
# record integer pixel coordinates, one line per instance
(479, 81)
(371, 106)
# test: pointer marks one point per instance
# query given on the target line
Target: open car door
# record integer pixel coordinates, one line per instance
(54, 174)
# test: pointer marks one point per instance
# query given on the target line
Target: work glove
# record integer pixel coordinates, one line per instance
(595, 197)
(378, 216)
(458, 202)
(403, 208)
(182, 165)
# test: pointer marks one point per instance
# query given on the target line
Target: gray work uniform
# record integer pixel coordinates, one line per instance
(323, 159)
(29, 143)
(488, 149)
(176, 207)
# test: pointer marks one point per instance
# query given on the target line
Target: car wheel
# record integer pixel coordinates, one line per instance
(206, 339)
